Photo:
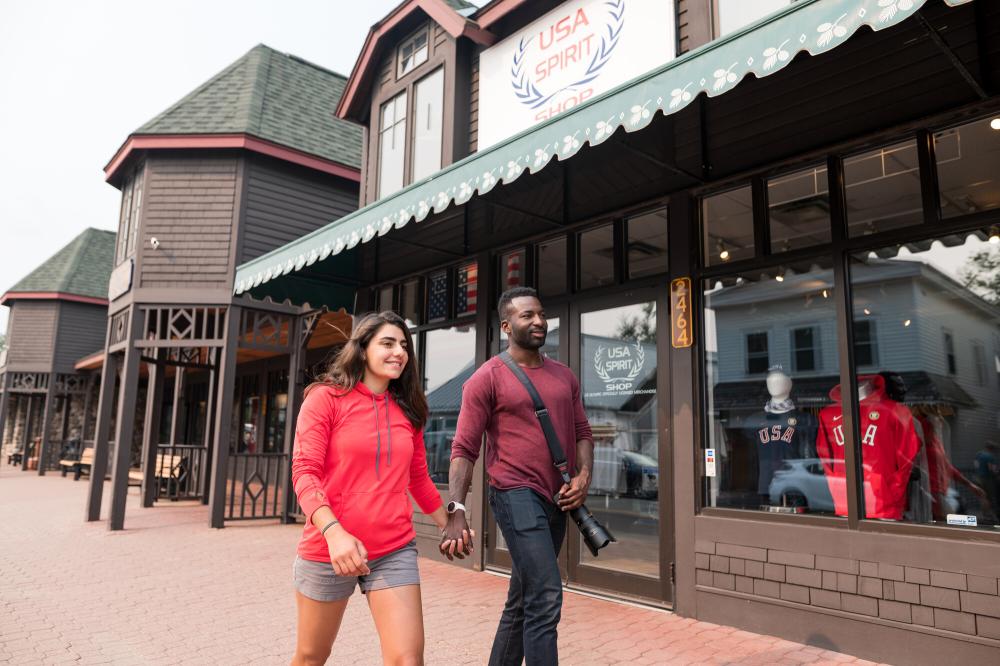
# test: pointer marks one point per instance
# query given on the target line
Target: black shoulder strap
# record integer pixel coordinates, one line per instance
(555, 447)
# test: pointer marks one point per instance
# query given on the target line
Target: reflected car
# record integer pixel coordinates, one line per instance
(642, 475)
(624, 474)
(800, 482)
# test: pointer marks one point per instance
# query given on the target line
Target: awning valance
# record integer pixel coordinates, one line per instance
(814, 26)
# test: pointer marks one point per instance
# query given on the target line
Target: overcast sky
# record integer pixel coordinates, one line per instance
(79, 76)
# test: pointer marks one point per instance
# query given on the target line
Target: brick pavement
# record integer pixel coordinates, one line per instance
(170, 590)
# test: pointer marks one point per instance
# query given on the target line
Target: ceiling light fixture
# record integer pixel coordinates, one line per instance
(867, 311)
(826, 293)
(906, 323)
(995, 234)
(723, 252)
(995, 123)
(780, 277)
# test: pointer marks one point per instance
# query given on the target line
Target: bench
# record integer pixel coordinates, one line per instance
(78, 467)
(14, 457)
(168, 468)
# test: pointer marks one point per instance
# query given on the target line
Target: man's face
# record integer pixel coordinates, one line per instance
(525, 324)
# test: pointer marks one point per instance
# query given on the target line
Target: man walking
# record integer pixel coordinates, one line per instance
(523, 482)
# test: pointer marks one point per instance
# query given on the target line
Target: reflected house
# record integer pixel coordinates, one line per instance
(911, 320)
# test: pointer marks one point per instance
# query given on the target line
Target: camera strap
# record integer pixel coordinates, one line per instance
(551, 438)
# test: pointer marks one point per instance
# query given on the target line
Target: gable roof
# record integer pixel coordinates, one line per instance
(452, 15)
(79, 271)
(273, 96)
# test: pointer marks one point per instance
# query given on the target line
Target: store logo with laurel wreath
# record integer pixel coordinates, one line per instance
(618, 366)
(583, 59)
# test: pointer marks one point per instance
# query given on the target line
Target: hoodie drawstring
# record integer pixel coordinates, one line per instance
(378, 436)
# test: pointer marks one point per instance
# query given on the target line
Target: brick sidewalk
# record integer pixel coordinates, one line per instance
(170, 590)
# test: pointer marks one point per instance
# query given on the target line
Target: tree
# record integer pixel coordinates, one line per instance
(982, 275)
(641, 328)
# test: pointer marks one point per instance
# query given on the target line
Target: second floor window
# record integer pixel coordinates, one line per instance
(128, 221)
(413, 52)
(757, 356)
(949, 352)
(392, 145)
(864, 343)
(804, 349)
(428, 112)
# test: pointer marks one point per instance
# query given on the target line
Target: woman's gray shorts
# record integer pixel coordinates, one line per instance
(317, 581)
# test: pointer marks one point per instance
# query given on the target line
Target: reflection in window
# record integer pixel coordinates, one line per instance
(277, 401)
(763, 401)
(883, 189)
(727, 226)
(552, 268)
(512, 269)
(799, 209)
(413, 52)
(449, 360)
(647, 244)
(409, 302)
(928, 424)
(597, 257)
(428, 110)
(385, 298)
(392, 145)
(467, 290)
(865, 348)
(618, 381)
(966, 157)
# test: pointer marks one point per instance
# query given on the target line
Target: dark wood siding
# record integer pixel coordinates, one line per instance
(189, 209)
(32, 331)
(474, 104)
(284, 203)
(80, 333)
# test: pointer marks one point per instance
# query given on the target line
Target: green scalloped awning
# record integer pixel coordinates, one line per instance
(761, 49)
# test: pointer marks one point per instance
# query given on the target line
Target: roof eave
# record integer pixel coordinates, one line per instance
(50, 296)
(243, 141)
(350, 105)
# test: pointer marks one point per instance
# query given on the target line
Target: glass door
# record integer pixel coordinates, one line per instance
(615, 357)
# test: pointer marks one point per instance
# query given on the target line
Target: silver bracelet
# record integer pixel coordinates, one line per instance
(328, 526)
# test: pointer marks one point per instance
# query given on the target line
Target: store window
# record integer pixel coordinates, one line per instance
(392, 145)
(618, 377)
(512, 269)
(799, 209)
(385, 298)
(409, 302)
(437, 296)
(929, 426)
(449, 361)
(597, 257)
(967, 158)
(412, 53)
(727, 226)
(882, 189)
(647, 244)
(552, 267)
(276, 414)
(428, 114)
(736, 14)
(765, 393)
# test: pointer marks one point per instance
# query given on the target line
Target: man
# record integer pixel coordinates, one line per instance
(523, 482)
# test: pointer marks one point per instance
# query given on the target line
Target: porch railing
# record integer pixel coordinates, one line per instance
(256, 486)
(179, 470)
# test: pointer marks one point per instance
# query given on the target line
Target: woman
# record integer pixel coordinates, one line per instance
(359, 447)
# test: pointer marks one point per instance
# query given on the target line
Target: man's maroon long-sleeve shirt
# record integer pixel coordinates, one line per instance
(517, 456)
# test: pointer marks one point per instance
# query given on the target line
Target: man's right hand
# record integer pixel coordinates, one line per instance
(348, 555)
(456, 541)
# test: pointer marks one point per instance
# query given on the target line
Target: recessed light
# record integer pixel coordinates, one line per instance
(995, 123)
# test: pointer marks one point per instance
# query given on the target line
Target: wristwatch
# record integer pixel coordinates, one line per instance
(455, 506)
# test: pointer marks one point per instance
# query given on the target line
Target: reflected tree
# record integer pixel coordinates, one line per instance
(982, 275)
(641, 327)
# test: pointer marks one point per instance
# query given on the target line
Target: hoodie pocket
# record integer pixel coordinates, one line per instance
(378, 518)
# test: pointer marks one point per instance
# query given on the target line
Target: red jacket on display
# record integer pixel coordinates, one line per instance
(888, 445)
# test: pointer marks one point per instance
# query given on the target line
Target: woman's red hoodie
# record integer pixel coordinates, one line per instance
(358, 454)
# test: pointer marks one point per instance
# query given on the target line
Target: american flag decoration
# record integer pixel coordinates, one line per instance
(513, 269)
(465, 300)
(437, 296)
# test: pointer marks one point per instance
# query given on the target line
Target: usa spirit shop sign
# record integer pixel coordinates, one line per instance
(575, 52)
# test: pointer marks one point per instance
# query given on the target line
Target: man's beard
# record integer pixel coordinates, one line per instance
(526, 341)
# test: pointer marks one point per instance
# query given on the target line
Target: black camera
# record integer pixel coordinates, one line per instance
(595, 535)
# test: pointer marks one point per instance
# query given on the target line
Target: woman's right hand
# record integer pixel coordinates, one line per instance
(347, 554)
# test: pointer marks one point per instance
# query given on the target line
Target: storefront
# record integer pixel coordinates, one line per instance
(715, 273)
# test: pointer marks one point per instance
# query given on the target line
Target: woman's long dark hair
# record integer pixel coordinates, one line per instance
(348, 368)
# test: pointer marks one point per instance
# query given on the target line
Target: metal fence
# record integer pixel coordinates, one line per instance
(256, 486)
(180, 471)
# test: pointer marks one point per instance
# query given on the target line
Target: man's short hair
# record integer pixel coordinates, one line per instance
(509, 295)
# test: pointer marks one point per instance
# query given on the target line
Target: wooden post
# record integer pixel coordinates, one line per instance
(175, 407)
(151, 430)
(125, 424)
(27, 432)
(4, 406)
(102, 430)
(223, 421)
(85, 426)
(213, 395)
(295, 358)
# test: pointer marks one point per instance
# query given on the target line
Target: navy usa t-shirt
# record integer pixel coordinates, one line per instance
(780, 437)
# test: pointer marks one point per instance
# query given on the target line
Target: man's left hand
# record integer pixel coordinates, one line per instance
(574, 493)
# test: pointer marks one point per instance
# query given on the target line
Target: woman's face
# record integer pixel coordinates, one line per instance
(386, 354)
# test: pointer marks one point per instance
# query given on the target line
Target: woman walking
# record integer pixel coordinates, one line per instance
(359, 448)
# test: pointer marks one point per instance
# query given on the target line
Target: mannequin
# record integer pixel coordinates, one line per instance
(781, 432)
(888, 446)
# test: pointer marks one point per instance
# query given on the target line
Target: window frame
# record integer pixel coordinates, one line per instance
(424, 31)
(766, 332)
(816, 349)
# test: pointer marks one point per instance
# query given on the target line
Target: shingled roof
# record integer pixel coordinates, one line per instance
(81, 268)
(273, 96)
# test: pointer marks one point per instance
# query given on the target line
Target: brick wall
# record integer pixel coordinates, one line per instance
(948, 600)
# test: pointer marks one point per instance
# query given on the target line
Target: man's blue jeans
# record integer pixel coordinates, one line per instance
(533, 529)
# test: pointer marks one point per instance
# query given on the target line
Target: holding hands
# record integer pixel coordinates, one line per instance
(457, 536)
